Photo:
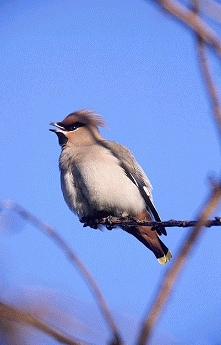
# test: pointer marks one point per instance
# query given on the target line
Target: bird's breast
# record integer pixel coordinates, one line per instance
(97, 182)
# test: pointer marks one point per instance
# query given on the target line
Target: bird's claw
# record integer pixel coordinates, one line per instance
(89, 221)
(109, 224)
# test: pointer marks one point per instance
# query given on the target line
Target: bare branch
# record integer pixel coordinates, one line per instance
(46, 229)
(169, 279)
(13, 314)
(211, 87)
(207, 74)
(193, 21)
(112, 222)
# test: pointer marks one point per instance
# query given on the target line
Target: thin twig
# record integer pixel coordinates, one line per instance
(112, 222)
(193, 21)
(13, 314)
(211, 88)
(207, 74)
(169, 279)
(45, 228)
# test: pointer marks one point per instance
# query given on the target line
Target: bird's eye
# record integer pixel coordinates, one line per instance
(74, 126)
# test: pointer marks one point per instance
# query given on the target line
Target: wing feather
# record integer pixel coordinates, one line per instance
(136, 174)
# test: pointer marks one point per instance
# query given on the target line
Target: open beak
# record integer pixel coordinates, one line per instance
(56, 124)
(60, 132)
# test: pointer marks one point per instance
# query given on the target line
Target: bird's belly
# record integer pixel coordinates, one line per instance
(101, 187)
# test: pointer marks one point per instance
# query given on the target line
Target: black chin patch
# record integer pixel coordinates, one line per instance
(62, 139)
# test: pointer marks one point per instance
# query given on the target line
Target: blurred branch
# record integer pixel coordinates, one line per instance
(210, 84)
(112, 222)
(170, 277)
(193, 21)
(13, 314)
(205, 35)
(45, 228)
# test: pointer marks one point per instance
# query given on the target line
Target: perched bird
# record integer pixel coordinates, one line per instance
(101, 178)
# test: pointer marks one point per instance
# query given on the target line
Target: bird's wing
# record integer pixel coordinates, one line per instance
(136, 174)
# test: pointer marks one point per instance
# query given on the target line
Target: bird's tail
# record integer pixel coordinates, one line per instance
(167, 254)
(152, 241)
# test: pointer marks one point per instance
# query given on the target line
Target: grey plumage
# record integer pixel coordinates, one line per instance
(102, 177)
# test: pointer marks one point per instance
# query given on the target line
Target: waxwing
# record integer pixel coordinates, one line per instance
(101, 178)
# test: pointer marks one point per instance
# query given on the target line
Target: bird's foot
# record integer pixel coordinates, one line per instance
(89, 221)
(109, 224)
(94, 223)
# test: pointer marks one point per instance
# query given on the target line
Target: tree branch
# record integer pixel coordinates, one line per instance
(113, 222)
(211, 87)
(13, 314)
(169, 279)
(46, 229)
(193, 21)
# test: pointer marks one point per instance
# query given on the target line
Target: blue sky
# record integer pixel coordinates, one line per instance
(130, 62)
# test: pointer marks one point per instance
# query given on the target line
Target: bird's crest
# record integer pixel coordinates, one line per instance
(87, 117)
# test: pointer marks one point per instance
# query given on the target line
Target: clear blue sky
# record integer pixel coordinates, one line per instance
(130, 62)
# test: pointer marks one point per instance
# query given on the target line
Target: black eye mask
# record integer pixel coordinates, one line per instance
(73, 127)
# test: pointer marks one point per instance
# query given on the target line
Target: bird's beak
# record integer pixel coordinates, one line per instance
(62, 139)
(56, 124)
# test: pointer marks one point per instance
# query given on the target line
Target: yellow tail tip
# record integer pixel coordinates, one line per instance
(163, 260)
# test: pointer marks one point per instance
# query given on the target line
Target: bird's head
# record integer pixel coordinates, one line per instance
(79, 128)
